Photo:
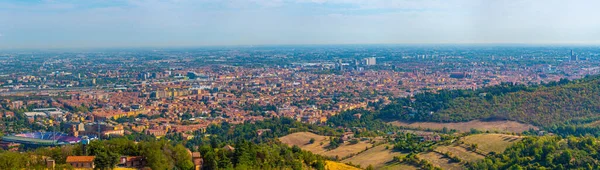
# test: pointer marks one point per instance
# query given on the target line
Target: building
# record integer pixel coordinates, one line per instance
(574, 56)
(9, 146)
(39, 139)
(81, 162)
(16, 105)
(371, 61)
(132, 161)
(50, 163)
(198, 161)
(458, 75)
(228, 148)
(192, 75)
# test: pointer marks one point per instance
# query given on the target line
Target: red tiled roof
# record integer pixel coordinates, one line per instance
(80, 159)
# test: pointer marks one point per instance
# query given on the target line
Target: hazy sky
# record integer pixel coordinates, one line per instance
(162, 23)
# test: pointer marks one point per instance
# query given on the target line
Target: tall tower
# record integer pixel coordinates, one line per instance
(574, 56)
(84, 142)
(370, 61)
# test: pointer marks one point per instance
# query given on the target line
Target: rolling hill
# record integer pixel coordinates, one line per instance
(545, 105)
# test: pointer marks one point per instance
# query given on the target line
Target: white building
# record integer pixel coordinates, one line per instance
(371, 61)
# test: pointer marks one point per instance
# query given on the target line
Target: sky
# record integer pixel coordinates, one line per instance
(189, 23)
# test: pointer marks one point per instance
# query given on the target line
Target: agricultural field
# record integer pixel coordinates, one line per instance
(302, 140)
(486, 143)
(460, 152)
(439, 160)
(501, 126)
(381, 158)
(331, 165)
(396, 166)
(491, 142)
(377, 156)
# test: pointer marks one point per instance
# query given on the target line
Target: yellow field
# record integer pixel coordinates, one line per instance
(438, 160)
(331, 165)
(491, 142)
(377, 157)
(501, 126)
(301, 139)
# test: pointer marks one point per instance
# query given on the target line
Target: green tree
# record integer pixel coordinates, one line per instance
(320, 165)
(210, 161)
(106, 160)
(12, 160)
(183, 159)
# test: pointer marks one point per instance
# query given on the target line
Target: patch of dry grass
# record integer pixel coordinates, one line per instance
(501, 126)
(438, 160)
(301, 139)
(491, 142)
(460, 152)
(377, 157)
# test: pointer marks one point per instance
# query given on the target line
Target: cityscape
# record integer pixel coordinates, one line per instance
(282, 84)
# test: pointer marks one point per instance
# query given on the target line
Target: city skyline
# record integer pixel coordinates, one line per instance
(182, 23)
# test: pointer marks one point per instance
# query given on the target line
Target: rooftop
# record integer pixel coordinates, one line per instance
(71, 159)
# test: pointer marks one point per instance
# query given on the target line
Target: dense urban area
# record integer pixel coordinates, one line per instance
(302, 107)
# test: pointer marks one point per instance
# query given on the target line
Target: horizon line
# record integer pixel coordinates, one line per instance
(300, 45)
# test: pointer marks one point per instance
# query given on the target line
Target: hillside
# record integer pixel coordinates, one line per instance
(460, 154)
(548, 152)
(541, 105)
(501, 126)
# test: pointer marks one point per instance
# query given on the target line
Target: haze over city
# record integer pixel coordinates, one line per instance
(175, 23)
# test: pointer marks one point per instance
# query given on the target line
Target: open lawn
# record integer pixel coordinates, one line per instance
(377, 157)
(301, 139)
(501, 126)
(491, 142)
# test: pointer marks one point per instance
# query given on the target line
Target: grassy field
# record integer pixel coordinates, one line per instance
(331, 165)
(301, 139)
(460, 152)
(377, 157)
(438, 160)
(501, 126)
(491, 142)
(485, 143)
